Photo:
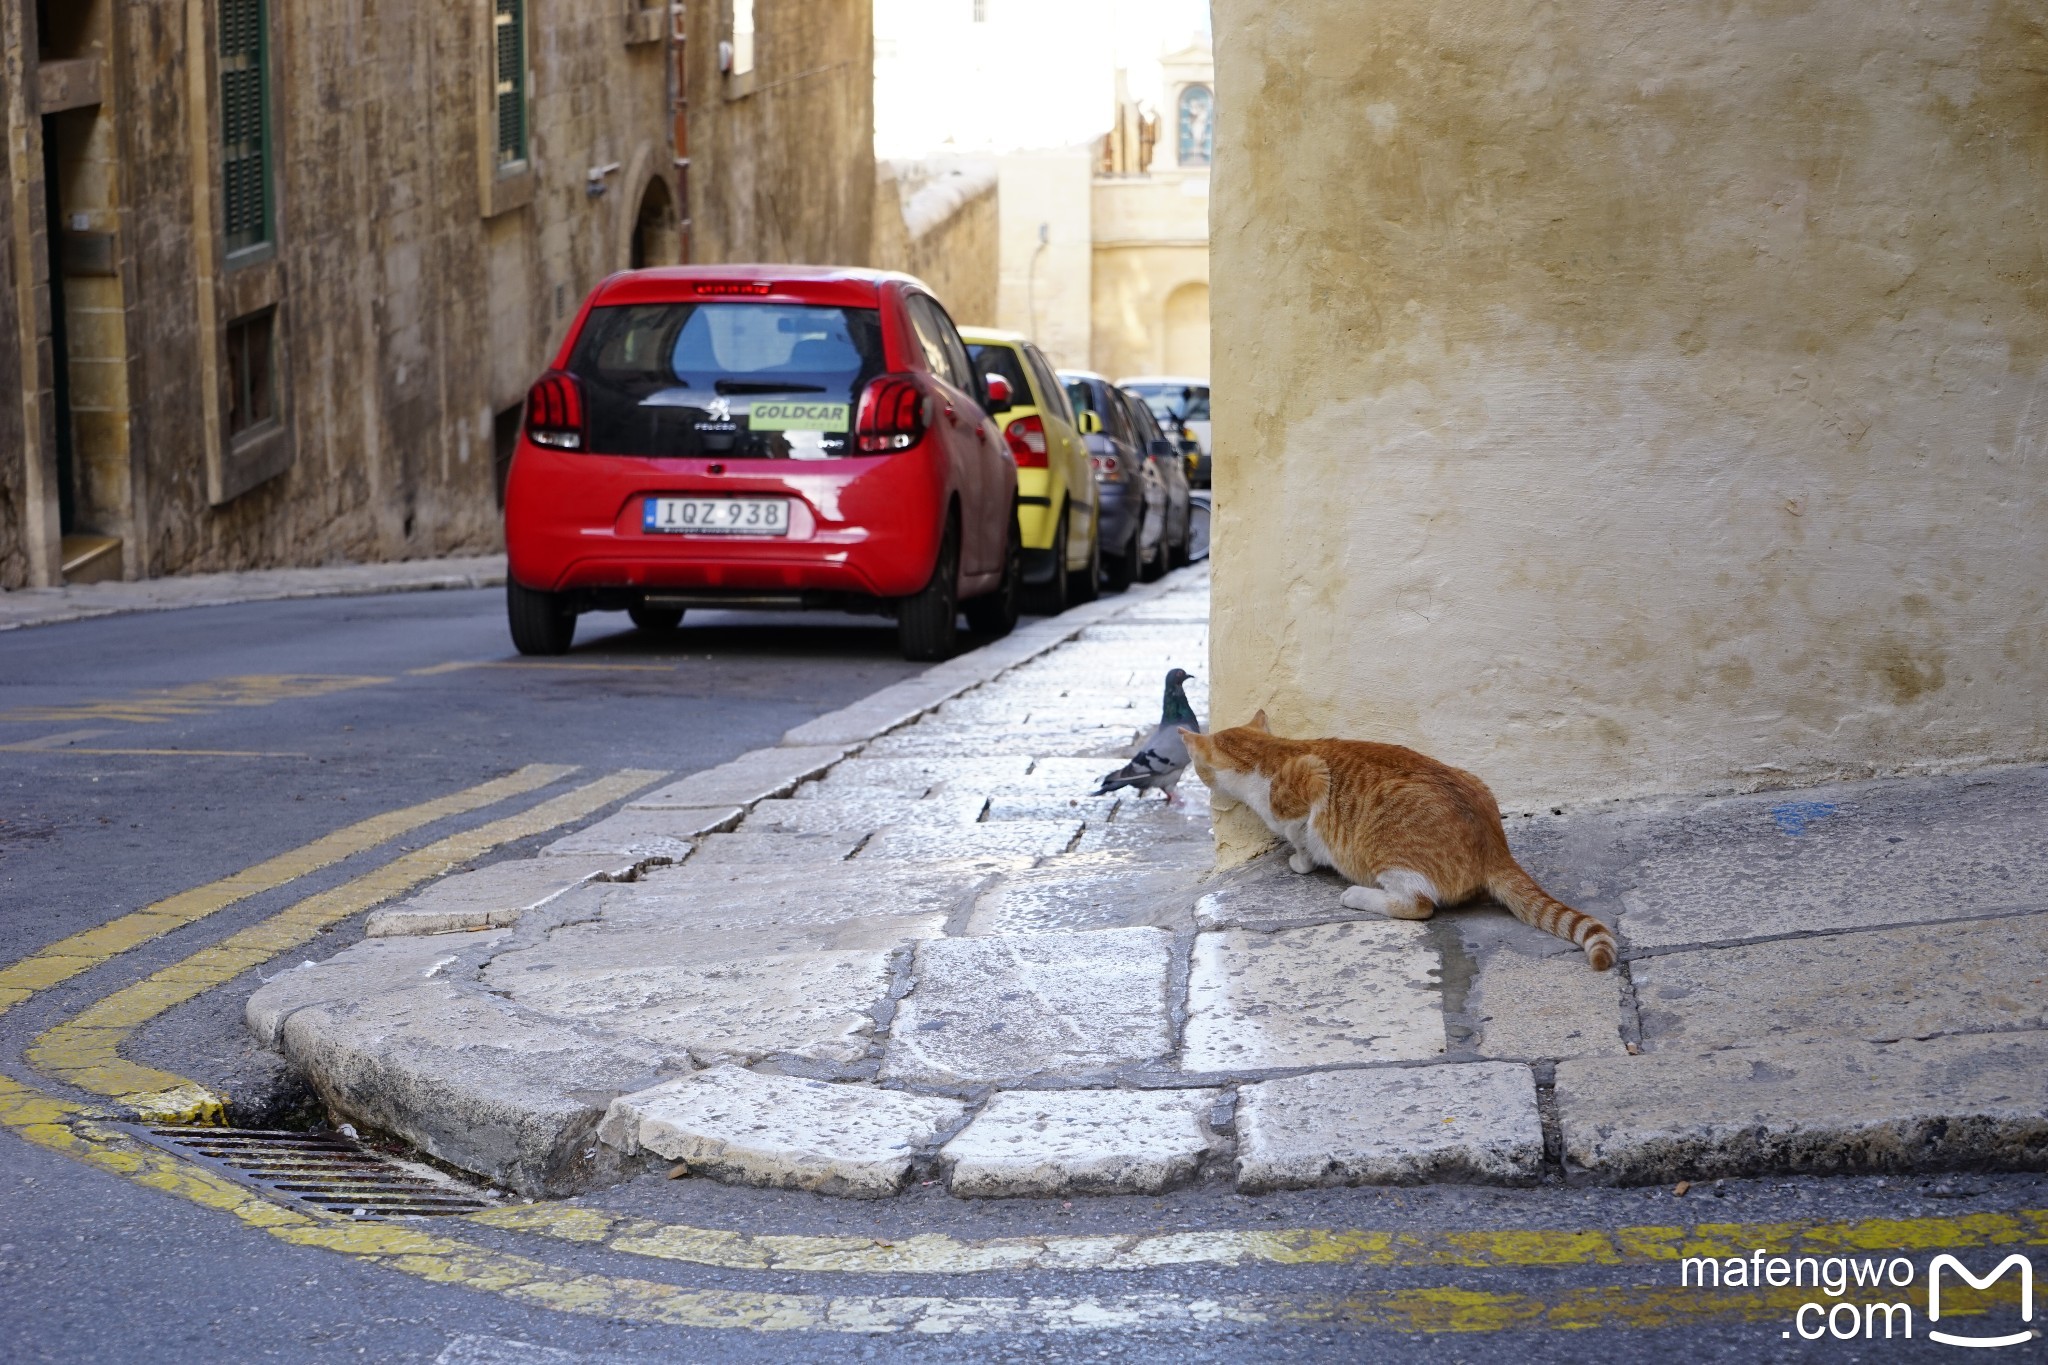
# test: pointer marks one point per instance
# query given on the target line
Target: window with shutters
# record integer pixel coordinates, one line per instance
(252, 372)
(509, 56)
(245, 123)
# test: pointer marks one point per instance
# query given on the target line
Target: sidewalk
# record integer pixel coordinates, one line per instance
(48, 606)
(906, 943)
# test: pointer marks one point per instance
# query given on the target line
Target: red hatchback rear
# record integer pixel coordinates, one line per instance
(761, 436)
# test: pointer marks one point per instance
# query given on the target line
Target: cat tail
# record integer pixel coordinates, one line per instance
(1518, 891)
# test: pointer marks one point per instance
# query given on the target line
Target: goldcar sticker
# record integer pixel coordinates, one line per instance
(781, 416)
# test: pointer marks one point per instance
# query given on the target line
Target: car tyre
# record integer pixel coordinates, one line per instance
(1051, 597)
(928, 621)
(995, 613)
(1086, 585)
(542, 622)
(656, 620)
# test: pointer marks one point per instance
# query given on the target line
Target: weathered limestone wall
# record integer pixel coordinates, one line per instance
(942, 223)
(14, 561)
(1627, 398)
(1047, 279)
(1151, 241)
(782, 161)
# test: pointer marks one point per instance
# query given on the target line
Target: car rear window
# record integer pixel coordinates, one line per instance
(748, 380)
(1187, 403)
(991, 358)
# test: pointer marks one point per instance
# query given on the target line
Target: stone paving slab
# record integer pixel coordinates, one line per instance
(1015, 838)
(816, 1005)
(467, 1077)
(1475, 1121)
(1830, 1106)
(645, 836)
(784, 1132)
(494, 896)
(1857, 856)
(1333, 995)
(1545, 1008)
(1005, 1010)
(1973, 976)
(1081, 893)
(710, 895)
(1047, 1142)
(915, 776)
(776, 849)
(751, 777)
(1052, 736)
(860, 815)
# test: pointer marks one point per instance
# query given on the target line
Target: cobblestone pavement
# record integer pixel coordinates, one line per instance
(912, 947)
(78, 602)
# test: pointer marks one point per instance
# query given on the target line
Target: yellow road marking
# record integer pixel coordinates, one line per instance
(462, 665)
(938, 1254)
(195, 699)
(71, 1129)
(85, 1049)
(67, 957)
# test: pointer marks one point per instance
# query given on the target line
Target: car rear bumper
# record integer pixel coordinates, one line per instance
(865, 527)
(1122, 512)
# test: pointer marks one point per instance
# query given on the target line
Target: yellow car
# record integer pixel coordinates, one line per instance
(1055, 481)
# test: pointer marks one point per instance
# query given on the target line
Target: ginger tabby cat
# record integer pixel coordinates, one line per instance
(1411, 832)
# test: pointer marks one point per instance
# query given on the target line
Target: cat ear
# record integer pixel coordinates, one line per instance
(1258, 721)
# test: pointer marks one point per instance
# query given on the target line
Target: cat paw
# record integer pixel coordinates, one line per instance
(1365, 898)
(1300, 862)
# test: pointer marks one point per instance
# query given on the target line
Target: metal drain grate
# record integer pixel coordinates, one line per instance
(325, 1170)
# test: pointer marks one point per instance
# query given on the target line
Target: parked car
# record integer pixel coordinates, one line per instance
(1056, 497)
(1131, 498)
(761, 436)
(1181, 404)
(1164, 454)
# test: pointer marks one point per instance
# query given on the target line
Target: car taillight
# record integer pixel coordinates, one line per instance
(554, 412)
(892, 415)
(1026, 436)
(1107, 469)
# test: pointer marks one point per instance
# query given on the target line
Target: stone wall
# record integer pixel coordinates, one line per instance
(940, 222)
(1622, 399)
(1046, 250)
(14, 556)
(782, 160)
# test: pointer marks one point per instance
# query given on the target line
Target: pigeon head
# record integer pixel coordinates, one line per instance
(1176, 711)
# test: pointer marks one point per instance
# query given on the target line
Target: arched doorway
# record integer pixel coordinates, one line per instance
(1187, 330)
(657, 238)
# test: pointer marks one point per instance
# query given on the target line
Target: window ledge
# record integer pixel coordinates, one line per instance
(738, 87)
(646, 26)
(508, 190)
(251, 459)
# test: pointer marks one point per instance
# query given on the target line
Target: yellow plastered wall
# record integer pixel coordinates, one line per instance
(1622, 398)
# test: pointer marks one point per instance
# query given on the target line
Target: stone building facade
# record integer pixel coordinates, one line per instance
(1627, 399)
(279, 272)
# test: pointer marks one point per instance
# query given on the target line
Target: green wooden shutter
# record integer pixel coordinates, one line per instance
(511, 81)
(245, 122)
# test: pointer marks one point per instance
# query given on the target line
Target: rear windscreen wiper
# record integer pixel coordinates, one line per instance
(763, 386)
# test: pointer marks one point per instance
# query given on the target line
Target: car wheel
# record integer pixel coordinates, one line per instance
(1050, 597)
(1086, 585)
(928, 621)
(656, 620)
(542, 622)
(995, 613)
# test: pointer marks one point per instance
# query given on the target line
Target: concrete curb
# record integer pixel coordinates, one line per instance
(24, 607)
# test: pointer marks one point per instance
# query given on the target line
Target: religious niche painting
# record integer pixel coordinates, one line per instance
(1197, 129)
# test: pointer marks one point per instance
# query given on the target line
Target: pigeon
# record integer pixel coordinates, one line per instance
(1164, 756)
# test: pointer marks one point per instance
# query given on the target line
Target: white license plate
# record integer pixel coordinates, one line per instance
(718, 516)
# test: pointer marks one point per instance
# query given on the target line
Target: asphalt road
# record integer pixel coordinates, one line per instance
(142, 756)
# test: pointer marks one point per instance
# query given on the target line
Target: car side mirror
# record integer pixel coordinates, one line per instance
(997, 390)
(1090, 423)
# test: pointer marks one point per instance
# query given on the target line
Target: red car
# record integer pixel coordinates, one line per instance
(762, 436)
